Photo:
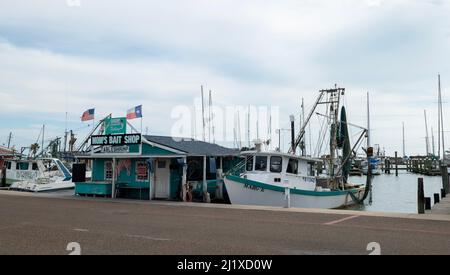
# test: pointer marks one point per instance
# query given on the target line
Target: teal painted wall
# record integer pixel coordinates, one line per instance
(155, 151)
(123, 180)
(98, 169)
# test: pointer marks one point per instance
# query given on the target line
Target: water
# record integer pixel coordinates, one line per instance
(398, 194)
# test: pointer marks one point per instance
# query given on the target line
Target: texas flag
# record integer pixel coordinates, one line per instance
(88, 115)
(135, 112)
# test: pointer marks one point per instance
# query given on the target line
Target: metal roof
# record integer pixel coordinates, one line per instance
(6, 152)
(193, 147)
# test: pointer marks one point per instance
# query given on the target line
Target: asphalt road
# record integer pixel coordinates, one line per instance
(37, 225)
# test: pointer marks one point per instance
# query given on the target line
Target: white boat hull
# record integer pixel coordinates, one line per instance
(247, 193)
(46, 187)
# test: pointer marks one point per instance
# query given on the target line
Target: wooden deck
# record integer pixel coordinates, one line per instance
(442, 208)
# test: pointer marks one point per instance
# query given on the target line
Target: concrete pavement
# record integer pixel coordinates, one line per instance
(31, 224)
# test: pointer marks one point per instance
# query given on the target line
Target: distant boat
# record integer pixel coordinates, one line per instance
(375, 164)
(39, 175)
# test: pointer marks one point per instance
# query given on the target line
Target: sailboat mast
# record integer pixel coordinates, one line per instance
(427, 139)
(404, 146)
(442, 117)
(203, 115)
(433, 148)
(368, 121)
(302, 121)
(43, 135)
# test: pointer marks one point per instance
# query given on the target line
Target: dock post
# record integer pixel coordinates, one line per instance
(287, 194)
(445, 178)
(396, 164)
(437, 198)
(420, 197)
(427, 203)
(113, 184)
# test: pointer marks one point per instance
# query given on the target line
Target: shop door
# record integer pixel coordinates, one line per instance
(162, 179)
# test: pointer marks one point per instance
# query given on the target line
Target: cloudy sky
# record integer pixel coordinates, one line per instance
(59, 56)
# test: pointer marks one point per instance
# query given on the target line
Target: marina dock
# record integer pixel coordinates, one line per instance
(442, 208)
(104, 226)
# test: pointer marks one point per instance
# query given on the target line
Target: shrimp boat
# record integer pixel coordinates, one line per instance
(38, 175)
(289, 180)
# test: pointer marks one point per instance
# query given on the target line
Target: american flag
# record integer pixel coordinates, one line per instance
(88, 115)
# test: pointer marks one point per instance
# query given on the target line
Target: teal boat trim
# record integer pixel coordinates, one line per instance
(293, 191)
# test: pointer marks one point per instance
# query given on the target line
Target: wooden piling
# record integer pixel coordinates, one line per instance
(445, 178)
(420, 197)
(437, 198)
(427, 203)
(396, 164)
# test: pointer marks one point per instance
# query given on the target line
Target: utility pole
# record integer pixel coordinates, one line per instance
(9, 139)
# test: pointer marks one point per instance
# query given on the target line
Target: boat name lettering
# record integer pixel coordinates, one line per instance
(254, 188)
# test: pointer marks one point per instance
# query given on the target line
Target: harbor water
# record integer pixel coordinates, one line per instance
(398, 194)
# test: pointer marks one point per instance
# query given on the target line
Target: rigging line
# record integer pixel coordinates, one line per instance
(322, 133)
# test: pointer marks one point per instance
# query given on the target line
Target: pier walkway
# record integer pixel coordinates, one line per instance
(41, 224)
(442, 208)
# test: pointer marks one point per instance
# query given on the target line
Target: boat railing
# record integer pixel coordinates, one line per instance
(239, 168)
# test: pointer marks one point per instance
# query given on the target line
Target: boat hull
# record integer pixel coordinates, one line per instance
(245, 192)
(47, 187)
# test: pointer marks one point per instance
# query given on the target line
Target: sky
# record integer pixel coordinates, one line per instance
(66, 56)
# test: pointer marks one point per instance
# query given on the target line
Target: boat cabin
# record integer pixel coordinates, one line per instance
(20, 170)
(275, 167)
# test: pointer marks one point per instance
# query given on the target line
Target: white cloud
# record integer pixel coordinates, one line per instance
(114, 55)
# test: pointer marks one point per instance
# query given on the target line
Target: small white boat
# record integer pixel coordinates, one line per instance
(39, 175)
(267, 177)
(376, 167)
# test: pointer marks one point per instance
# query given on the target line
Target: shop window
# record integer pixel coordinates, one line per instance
(162, 164)
(292, 167)
(141, 171)
(261, 163)
(108, 170)
(276, 164)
